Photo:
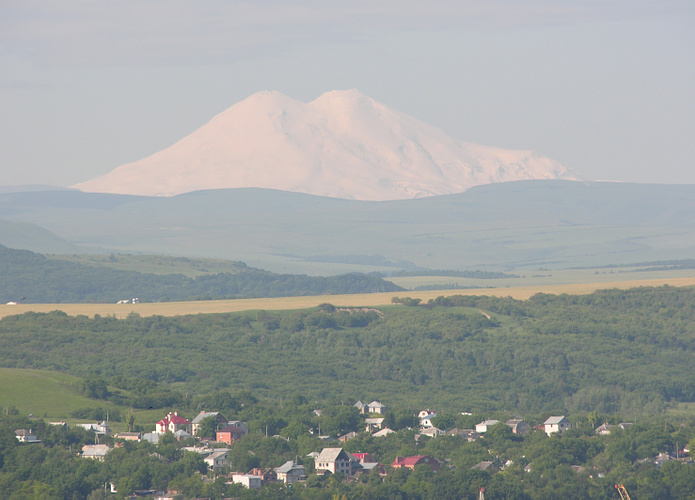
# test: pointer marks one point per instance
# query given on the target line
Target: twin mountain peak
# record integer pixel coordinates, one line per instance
(343, 145)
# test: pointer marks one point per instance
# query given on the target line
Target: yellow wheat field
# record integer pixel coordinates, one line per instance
(356, 300)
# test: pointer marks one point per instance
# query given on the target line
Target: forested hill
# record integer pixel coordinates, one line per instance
(629, 352)
(30, 277)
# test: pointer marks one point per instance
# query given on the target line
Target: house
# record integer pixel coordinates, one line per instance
(129, 436)
(216, 460)
(266, 475)
(181, 435)
(172, 423)
(102, 428)
(348, 436)
(376, 407)
(373, 424)
(661, 458)
(412, 462)
(334, 460)
(483, 426)
(248, 481)
(195, 423)
(361, 407)
(519, 427)
(151, 437)
(486, 465)
(468, 434)
(95, 451)
(426, 417)
(290, 472)
(231, 432)
(363, 457)
(432, 432)
(370, 466)
(26, 436)
(556, 425)
(604, 429)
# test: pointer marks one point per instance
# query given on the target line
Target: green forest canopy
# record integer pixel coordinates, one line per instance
(630, 352)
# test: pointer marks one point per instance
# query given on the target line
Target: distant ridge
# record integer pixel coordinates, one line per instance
(343, 145)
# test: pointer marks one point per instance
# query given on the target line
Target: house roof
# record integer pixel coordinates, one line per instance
(555, 420)
(331, 455)
(485, 465)
(376, 421)
(288, 466)
(383, 432)
(489, 423)
(174, 418)
(376, 404)
(205, 414)
(234, 429)
(411, 461)
(95, 450)
(514, 421)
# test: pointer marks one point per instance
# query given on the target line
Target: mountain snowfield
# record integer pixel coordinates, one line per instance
(343, 145)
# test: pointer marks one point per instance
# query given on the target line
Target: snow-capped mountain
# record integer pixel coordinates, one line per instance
(343, 144)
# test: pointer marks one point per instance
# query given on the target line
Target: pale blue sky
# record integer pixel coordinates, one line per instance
(605, 86)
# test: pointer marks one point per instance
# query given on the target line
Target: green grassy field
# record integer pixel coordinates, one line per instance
(155, 264)
(53, 396)
(685, 410)
(544, 277)
(46, 394)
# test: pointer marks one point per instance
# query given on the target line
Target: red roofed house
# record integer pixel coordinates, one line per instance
(172, 423)
(411, 462)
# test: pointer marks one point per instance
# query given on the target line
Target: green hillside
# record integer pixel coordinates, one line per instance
(501, 227)
(32, 278)
(49, 394)
(605, 351)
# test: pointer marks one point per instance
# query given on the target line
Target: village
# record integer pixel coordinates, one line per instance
(195, 436)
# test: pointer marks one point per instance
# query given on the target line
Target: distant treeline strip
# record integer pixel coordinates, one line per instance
(480, 275)
(31, 277)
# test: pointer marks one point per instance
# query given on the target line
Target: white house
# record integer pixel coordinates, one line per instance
(216, 460)
(334, 460)
(556, 424)
(483, 426)
(289, 472)
(362, 407)
(376, 407)
(195, 423)
(426, 417)
(100, 428)
(373, 424)
(95, 451)
(248, 481)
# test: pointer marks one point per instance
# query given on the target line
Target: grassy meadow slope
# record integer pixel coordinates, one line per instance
(43, 393)
(510, 226)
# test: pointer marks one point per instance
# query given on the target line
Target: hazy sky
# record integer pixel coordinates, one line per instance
(607, 87)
